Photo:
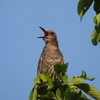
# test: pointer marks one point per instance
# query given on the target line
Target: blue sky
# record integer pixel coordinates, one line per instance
(20, 48)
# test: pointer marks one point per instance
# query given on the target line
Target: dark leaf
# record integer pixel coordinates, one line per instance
(61, 68)
(97, 6)
(76, 96)
(49, 96)
(83, 6)
(42, 90)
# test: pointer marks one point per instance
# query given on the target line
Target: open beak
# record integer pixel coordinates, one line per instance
(45, 33)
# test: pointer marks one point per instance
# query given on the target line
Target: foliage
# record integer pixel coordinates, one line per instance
(51, 88)
(82, 8)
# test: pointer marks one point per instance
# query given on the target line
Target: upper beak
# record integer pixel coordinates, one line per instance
(42, 29)
(45, 33)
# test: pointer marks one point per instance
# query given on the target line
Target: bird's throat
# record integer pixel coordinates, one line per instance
(52, 43)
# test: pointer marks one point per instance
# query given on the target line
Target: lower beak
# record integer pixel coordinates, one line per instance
(41, 36)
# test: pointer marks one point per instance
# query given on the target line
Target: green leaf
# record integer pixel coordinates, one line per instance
(33, 93)
(61, 68)
(97, 20)
(61, 92)
(77, 96)
(44, 76)
(42, 90)
(95, 38)
(50, 83)
(83, 97)
(83, 6)
(76, 80)
(97, 6)
(64, 78)
(57, 84)
(58, 94)
(36, 80)
(72, 96)
(51, 95)
(90, 90)
(84, 76)
(88, 78)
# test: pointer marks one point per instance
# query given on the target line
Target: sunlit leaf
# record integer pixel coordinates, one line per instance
(88, 78)
(36, 80)
(76, 80)
(50, 83)
(83, 6)
(97, 20)
(65, 79)
(95, 36)
(58, 94)
(33, 93)
(90, 90)
(94, 33)
(84, 76)
(44, 76)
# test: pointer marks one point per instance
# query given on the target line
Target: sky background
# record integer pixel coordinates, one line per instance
(20, 48)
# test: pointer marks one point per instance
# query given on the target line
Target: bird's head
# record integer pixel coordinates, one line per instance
(49, 35)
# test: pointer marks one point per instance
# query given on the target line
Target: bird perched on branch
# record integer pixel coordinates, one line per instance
(51, 54)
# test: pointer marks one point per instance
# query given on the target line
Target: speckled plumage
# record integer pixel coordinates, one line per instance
(51, 54)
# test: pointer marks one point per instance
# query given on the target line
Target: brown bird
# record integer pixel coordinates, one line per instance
(51, 54)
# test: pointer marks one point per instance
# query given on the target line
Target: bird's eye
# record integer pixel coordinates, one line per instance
(52, 33)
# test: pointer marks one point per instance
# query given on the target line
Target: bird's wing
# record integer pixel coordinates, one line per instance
(39, 70)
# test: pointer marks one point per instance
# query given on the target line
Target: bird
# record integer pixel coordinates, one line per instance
(51, 55)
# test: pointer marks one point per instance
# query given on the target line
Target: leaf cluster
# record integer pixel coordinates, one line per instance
(82, 8)
(47, 87)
